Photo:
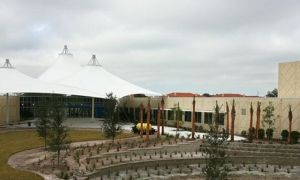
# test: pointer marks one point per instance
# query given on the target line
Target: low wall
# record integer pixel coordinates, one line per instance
(180, 147)
(174, 162)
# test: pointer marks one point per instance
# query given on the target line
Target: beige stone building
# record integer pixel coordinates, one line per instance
(289, 80)
(288, 92)
(13, 111)
(205, 110)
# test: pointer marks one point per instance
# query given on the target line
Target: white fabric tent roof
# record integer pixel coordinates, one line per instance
(13, 81)
(63, 67)
(93, 77)
(97, 79)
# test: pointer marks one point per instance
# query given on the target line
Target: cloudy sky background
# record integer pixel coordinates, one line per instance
(163, 45)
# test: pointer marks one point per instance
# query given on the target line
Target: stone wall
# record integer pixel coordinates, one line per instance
(14, 110)
(289, 80)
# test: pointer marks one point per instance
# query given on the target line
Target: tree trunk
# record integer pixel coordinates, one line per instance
(141, 119)
(251, 121)
(177, 114)
(232, 121)
(45, 142)
(148, 120)
(257, 119)
(290, 123)
(193, 119)
(227, 118)
(158, 121)
(58, 155)
(163, 116)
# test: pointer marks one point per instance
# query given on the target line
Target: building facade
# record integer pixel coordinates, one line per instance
(204, 109)
(288, 95)
(9, 109)
(75, 106)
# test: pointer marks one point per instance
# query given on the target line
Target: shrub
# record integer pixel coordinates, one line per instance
(284, 134)
(152, 131)
(244, 133)
(199, 128)
(251, 134)
(261, 134)
(134, 129)
(269, 133)
(294, 137)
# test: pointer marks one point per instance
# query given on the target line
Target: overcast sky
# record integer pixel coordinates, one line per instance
(226, 46)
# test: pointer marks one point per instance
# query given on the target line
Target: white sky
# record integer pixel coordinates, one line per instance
(163, 45)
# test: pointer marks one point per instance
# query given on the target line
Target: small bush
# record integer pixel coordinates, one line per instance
(134, 130)
(199, 128)
(251, 134)
(244, 133)
(284, 134)
(269, 133)
(152, 131)
(261, 134)
(294, 137)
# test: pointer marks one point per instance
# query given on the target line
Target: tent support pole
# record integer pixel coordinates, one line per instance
(93, 107)
(7, 109)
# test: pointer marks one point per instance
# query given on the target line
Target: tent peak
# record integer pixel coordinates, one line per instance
(7, 64)
(65, 51)
(93, 61)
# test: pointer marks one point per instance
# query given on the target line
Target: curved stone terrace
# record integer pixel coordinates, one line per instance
(164, 158)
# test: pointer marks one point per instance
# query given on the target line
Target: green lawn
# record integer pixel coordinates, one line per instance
(16, 141)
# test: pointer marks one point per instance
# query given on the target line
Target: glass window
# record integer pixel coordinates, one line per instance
(170, 115)
(221, 118)
(198, 117)
(154, 117)
(188, 116)
(208, 118)
(137, 114)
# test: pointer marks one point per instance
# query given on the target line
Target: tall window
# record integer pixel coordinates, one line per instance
(154, 117)
(221, 118)
(137, 114)
(207, 118)
(188, 116)
(198, 117)
(170, 115)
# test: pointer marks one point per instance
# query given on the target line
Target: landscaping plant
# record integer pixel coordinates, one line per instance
(269, 120)
(269, 133)
(261, 133)
(178, 117)
(111, 118)
(251, 134)
(58, 134)
(216, 158)
(284, 134)
(244, 133)
(232, 121)
(294, 137)
(43, 122)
